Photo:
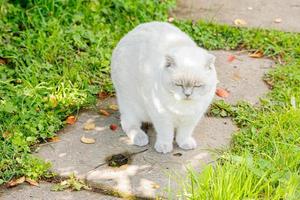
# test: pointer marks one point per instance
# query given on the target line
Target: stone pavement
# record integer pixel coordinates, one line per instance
(257, 13)
(149, 173)
(43, 192)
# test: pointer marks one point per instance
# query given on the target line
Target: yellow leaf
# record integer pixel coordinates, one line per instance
(113, 107)
(16, 182)
(240, 22)
(104, 112)
(89, 126)
(31, 182)
(256, 54)
(86, 140)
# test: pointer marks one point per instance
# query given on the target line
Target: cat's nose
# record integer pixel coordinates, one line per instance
(187, 95)
(187, 92)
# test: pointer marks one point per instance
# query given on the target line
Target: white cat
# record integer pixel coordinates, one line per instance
(161, 76)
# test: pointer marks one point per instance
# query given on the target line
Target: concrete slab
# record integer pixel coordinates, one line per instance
(243, 76)
(148, 173)
(256, 13)
(43, 192)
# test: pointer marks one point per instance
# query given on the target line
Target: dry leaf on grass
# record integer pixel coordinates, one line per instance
(222, 93)
(104, 112)
(31, 182)
(171, 19)
(102, 95)
(16, 182)
(54, 139)
(256, 54)
(71, 120)
(240, 22)
(113, 107)
(113, 127)
(89, 126)
(3, 61)
(6, 134)
(86, 140)
(231, 58)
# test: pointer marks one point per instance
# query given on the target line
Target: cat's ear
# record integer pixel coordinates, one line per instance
(210, 61)
(170, 62)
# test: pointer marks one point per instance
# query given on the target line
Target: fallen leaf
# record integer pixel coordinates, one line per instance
(86, 140)
(278, 20)
(89, 126)
(236, 76)
(231, 58)
(3, 61)
(113, 107)
(104, 112)
(16, 182)
(71, 120)
(240, 22)
(102, 95)
(54, 139)
(171, 19)
(155, 186)
(113, 127)
(256, 54)
(31, 182)
(222, 93)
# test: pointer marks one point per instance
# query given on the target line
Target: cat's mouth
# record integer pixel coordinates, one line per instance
(187, 99)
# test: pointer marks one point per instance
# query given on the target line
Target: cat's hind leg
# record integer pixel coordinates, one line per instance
(132, 128)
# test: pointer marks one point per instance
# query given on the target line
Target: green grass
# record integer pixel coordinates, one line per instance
(55, 58)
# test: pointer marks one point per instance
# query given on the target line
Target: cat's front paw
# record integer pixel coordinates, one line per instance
(163, 147)
(139, 138)
(188, 143)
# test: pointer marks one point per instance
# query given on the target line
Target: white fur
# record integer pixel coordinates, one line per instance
(146, 65)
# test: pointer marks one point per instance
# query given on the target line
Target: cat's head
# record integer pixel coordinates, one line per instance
(189, 73)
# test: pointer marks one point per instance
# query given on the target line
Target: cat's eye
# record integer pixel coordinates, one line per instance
(198, 86)
(178, 84)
